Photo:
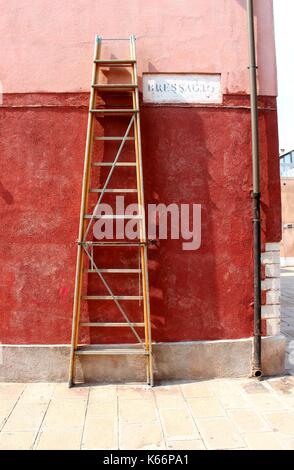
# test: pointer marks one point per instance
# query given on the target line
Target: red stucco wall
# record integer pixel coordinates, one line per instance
(191, 155)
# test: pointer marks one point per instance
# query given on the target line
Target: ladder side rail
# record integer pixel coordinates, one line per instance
(84, 202)
(143, 249)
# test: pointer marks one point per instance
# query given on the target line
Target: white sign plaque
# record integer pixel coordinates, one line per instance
(182, 88)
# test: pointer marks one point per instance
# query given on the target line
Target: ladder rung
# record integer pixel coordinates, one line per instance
(115, 87)
(113, 39)
(113, 62)
(114, 138)
(115, 112)
(121, 190)
(118, 271)
(109, 297)
(113, 217)
(114, 243)
(116, 164)
(112, 325)
(110, 351)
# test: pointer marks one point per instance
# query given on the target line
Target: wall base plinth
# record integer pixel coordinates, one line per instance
(172, 361)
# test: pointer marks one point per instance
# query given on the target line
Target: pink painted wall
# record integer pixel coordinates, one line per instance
(46, 45)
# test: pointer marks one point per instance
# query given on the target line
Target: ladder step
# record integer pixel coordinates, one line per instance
(115, 112)
(84, 350)
(113, 217)
(114, 62)
(116, 164)
(114, 138)
(121, 190)
(117, 271)
(115, 87)
(112, 325)
(109, 297)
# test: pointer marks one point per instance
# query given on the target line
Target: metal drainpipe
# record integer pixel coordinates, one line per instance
(256, 352)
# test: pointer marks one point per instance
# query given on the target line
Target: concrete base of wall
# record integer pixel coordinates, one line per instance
(172, 361)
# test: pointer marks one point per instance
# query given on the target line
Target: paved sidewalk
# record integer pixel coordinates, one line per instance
(215, 414)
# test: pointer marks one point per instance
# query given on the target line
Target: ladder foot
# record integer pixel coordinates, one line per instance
(151, 383)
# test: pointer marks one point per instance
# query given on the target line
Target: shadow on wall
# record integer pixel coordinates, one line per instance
(270, 184)
(176, 161)
(6, 195)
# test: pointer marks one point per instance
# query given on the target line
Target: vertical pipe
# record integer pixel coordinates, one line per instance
(256, 353)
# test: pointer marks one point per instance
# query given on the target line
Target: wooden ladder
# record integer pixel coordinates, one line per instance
(88, 265)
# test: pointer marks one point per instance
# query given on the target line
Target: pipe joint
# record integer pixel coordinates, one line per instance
(256, 373)
(255, 196)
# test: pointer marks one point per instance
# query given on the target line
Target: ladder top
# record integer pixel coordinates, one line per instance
(100, 38)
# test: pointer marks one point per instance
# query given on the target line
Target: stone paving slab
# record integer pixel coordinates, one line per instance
(214, 414)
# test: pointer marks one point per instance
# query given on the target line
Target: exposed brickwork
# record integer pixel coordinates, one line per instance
(271, 289)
